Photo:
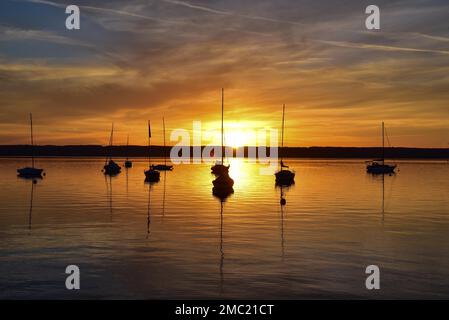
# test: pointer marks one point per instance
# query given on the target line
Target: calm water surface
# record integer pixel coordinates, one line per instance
(174, 239)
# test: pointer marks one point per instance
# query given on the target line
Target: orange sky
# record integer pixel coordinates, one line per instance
(171, 58)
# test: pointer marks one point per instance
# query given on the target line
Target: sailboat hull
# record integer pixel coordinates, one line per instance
(29, 172)
(285, 177)
(223, 186)
(162, 167)
(377, 168)
(152, 175)
(222, 192)
(111, 168)
(219, 169)
(223, 181)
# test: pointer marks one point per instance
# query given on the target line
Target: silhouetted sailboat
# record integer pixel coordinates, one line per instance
(379, 166)
(219, 167)
(110, 167)
(284, 177)
(31, 172)
(151, 175)
(163, 167)
(128, 163)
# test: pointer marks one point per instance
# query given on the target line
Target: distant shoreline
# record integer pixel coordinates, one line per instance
(287, 152)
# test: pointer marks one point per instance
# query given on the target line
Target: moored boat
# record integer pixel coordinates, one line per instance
(111, 167)
(219, 168)
(151, 175)
(379, 166)
(284, 177)
(31, 172)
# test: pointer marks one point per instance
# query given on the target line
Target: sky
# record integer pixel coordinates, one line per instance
(147, 59)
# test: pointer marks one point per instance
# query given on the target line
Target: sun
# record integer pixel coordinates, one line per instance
(235, 139)
(236, 133)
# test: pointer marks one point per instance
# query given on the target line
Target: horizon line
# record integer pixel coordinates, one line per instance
(214, 146)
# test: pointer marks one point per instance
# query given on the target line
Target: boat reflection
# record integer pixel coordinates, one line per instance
(127, 181)
(283, 189)
(108, 181)
(150, 187)
(163, 194)
(222, 194)
(381, 178)
(30, 212)
(221, 248)
(282, 202)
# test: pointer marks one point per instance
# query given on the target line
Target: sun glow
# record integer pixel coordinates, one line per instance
(236, 134)
(237, 139)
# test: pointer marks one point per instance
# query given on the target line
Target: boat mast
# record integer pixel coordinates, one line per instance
(282, 134)
(32, 141)
(149, 144)
(111, 141)
(383, 143)
(127, 149)
(222, 126)
(165, 149)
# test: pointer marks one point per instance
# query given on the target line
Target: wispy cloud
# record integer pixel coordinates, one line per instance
(355, 45)
(104, 10)
(231, 13)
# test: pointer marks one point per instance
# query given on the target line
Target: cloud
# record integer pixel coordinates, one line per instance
(103, 10)
(230, 13)
(368, 46)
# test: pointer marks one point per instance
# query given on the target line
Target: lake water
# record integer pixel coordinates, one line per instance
(174, 239)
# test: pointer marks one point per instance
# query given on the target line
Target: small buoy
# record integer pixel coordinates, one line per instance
(283, 201)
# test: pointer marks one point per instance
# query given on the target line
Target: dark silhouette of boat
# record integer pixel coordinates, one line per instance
(164, 166)
(31, 172)
(284, 177)
(219, 168)
(379, 166)
(128, 163)
(111, 167)
(222, 181)
(222, 190)
(151, 175)
(223, 186)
